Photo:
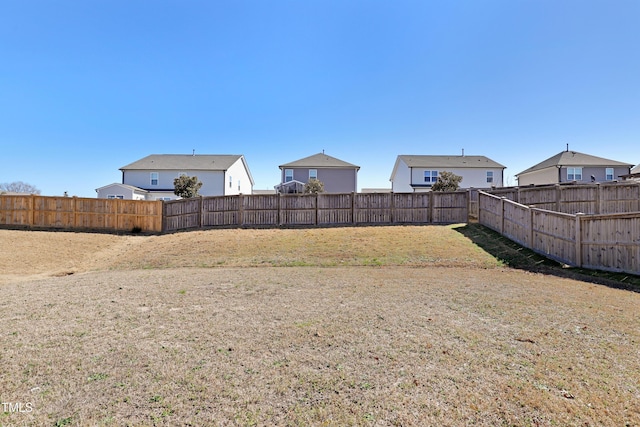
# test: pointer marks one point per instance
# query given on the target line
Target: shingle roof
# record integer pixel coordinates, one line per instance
(573, 158)
(217, 162)
(319, 160)
(425, 161)
(117, 184)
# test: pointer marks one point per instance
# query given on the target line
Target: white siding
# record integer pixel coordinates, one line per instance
(237, 172)
(211, 181)
(471, 177)
(402, 180)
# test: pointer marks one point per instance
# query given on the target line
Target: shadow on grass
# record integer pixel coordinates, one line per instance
(515, 256)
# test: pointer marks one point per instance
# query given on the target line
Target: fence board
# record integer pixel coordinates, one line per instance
(605, 242)
(517, 223)
(335, 209)
(554, 235)
(73, 213)
(611, 242)
(411, 208)
(449, 208)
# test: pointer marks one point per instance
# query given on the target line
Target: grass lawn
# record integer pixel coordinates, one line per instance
(339, 326)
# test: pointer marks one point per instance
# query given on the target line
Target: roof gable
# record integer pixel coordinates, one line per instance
(319, 161)
(211, 162)
(573, 158)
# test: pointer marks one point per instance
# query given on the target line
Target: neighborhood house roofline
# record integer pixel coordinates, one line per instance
(573, 159)
(320, 161)
(445, 162)
(130, 187)
(204, 162)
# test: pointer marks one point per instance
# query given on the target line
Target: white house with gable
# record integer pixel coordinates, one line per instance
(151, 178)
(414, 173)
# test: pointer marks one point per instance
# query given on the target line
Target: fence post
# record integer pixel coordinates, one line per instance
(115, 219)
(353, 207)
(598, 199)
(431, 207)
(74, 211)
(502, 215)
(530, 227)
(32, 211)
(578, 260)
(316, 221)
(279, 218)
(240, 210)
(201, 212)
(393, 208)
(558, 197)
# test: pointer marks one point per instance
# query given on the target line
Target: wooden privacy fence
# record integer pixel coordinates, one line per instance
(74, 213)
(574, 198)
(605, 242)
(276, 210)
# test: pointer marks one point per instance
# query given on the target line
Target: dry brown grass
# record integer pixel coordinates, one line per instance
(389, 330)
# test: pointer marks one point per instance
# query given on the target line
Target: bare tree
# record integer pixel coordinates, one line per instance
(18, 187)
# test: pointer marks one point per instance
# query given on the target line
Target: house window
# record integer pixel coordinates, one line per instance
(238, 185)
(574, 174)
(154, 178)
(489, 177)
(609, 174)
(430, 177)
(313, 174)
(230, 181)
(288, 175)
(115, 196)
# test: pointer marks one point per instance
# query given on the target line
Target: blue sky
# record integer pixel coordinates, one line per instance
(87, 87)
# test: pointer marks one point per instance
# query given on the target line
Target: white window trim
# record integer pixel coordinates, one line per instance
(575, 172)
(287, 175)
(607, 174)
(157, 178)
(115, 196)
(432, 179)
(489, 177)
(314, 175)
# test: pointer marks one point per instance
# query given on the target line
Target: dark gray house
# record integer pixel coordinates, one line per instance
(571, 166)
(337, 175)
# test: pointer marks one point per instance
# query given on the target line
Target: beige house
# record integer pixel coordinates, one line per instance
(151, 178)
(572, 166)
(415, 173)
(337, 175)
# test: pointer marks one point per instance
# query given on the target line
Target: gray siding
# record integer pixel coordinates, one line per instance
(335, 180)
(598, 172)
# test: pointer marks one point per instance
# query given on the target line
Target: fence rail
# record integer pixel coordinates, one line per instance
(588, 235)
(75, 213)
(605, 242)
(577, 198)
(315, 210)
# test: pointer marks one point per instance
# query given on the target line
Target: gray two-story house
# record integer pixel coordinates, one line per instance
(337, 175)
(571, 166)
